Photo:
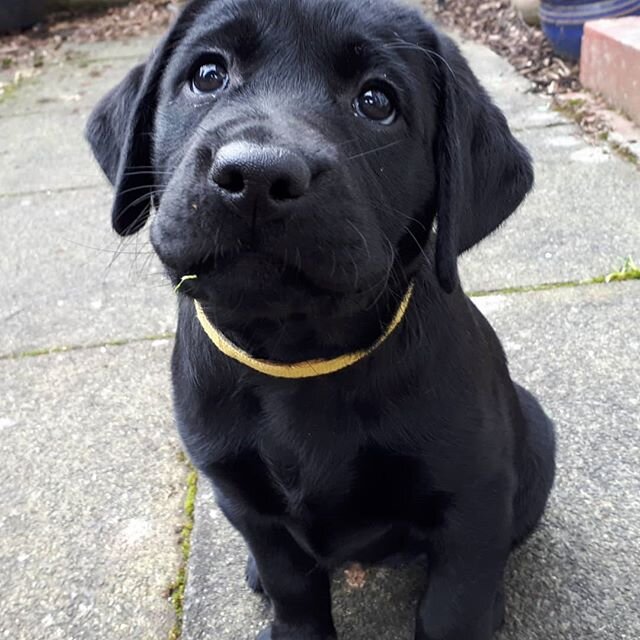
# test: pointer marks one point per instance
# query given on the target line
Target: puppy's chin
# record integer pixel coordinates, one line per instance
(251, 286)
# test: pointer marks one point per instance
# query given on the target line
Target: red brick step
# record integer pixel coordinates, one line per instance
(610, 62)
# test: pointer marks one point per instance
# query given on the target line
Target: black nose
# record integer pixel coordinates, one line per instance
(253, 173)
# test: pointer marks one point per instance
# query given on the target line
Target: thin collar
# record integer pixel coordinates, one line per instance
(307, 368)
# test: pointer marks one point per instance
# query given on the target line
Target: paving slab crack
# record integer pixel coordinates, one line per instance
(37, 192)
(547, 286)
(25, 114)
(122, 58)
(629, 271)
(48, 351)
(547, 125)
(176, 589)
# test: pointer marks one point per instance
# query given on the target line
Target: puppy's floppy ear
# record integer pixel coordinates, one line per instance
(120, 131)
(483, 171)
(108, 125)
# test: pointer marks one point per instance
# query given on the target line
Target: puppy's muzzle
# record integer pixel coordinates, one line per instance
(256, 179)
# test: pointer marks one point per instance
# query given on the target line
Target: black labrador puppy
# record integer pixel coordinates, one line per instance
(347, 400)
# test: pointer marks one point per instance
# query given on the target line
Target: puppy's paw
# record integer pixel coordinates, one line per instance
(252, 576)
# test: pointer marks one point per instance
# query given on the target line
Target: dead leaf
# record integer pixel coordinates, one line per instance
(355, 576)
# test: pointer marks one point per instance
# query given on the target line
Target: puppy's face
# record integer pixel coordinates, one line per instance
(300, 151)
(291, 155)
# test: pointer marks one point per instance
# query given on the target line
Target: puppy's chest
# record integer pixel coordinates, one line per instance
(362, 505)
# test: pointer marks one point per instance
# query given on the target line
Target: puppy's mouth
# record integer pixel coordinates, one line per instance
(248, 264)
(258, 280)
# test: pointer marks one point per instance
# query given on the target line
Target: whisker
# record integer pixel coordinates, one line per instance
(136, 202)
(403, 44)
(376, 149)
(384, 281)
(364, 240)
(138, 188)
(104, 250)
(146, 172)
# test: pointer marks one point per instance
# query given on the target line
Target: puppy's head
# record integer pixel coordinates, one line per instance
(297, 153)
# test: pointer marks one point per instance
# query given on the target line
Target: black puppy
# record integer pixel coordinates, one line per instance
(347, 400)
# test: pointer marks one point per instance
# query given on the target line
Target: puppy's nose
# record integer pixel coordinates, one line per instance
(251, 173)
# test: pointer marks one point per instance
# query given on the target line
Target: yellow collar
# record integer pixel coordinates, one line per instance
(306, 369)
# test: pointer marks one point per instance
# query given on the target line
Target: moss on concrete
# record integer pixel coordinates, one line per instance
(625, 152)
(8, 90)
(628, 271)
(47, 351)
(577, 109)
(175, 592)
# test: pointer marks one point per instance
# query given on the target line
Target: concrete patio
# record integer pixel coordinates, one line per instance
(93, 483)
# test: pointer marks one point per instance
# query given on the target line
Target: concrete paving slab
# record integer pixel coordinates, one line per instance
(46, 152)
(565, 230)
(72, 84)
(42, 126)
(69, 81)
(578, 351)
(91, 495)
(577, 576)
(66, 278)
(556, 143)
(42, 123)
(129, 48)
(510, 90)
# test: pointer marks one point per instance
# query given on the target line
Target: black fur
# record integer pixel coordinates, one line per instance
(424, 448)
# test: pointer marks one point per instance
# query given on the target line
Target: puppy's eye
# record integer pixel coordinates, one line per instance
(375, 103)
(210, 77)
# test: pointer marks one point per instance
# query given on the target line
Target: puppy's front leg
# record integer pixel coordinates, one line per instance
(464, 597)
(299, 589)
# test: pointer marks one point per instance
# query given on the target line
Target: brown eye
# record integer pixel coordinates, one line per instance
(209, 78)
(376, 104)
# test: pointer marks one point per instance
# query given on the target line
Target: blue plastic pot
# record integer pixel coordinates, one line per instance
(18, 14)
(563, 20)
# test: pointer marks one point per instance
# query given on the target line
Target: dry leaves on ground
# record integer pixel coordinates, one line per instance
(498, 25)
(36, 46)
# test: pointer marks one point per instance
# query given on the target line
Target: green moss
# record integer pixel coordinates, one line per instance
(40, 352)
(47, 351)
(9, 89)
(576, 109)
(574, 104)
(545, 286)
(625, 153)
(175, 592)
(35, 192)
(78, 58)
(628, 271)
